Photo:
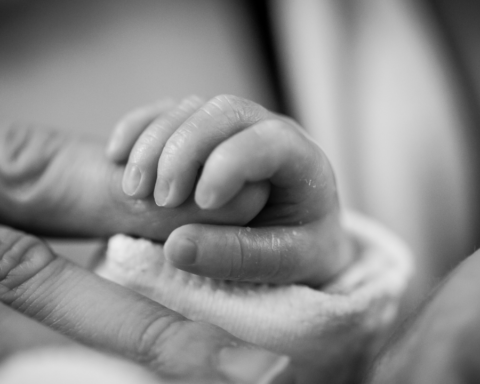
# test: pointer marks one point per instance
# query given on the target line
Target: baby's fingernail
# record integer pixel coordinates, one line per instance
(131, 179)
(162, 189)
(182, 252)
(205, 200)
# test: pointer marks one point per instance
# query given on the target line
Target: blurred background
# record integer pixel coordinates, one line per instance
(386, 87)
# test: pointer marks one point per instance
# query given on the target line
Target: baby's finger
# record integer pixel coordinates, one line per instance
(277, 255)
(109, 317)
(188, 147)
(274, 150)
(141, 171)
(130, 126)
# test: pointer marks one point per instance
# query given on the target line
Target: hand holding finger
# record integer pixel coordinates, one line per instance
(109, 317)
(189, 146)
(53, 184)
(141, 169)
(297, 237)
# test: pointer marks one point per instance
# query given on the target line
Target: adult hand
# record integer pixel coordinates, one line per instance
(111, 318)
(52, 184)
(441, 343)
(296, 237)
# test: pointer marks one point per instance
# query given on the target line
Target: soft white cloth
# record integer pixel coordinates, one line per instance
(317, 329)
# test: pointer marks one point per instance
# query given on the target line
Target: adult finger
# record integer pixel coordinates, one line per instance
(51, 184)
(272, 149)
(109, 317)
(311, 254)
(130, 126)
(188, 148)
(141, 170)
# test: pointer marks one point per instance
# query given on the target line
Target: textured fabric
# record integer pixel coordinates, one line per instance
(316, 329)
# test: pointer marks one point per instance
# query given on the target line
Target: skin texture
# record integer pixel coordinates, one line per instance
(55, 185)
(440, 343)
(51, 184)
(214, 150)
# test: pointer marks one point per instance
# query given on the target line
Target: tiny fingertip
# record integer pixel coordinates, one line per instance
(161, 192)
(181, 251)
(205, 198)
(205, 201)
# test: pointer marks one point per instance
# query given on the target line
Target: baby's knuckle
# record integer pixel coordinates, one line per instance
(225, 101)
(176, 143)
(273, 127)
(228, 107)
(146, 141)
(185, 108)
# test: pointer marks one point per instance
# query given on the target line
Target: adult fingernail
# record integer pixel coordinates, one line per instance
(249, 365)
(131, 179)
(162, 189)
(182, 252)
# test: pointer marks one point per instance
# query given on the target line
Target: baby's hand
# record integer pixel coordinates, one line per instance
(297, 237)
(168, 143)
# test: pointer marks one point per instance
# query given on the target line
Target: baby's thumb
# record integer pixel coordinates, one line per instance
(278, 255)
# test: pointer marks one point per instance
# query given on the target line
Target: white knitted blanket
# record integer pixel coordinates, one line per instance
(314, 328)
